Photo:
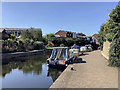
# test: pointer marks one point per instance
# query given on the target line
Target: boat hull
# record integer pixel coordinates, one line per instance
(57, 66)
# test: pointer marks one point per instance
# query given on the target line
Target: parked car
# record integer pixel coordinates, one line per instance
(83, 49)
(75, 52)
(89, 48)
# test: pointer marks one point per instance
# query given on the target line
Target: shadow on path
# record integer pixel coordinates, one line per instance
(79, 60)
(83, 54)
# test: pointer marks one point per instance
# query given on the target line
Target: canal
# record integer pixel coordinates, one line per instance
(29, 72)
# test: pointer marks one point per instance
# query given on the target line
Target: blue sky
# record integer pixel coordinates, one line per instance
(85, 17)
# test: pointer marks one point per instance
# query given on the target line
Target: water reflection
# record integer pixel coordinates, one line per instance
(54, 73)
(27, 65)
(32, 65)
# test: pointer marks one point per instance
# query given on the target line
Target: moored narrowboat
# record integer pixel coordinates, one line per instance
(60, 57)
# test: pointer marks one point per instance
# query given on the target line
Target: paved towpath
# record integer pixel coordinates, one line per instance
(93, 74)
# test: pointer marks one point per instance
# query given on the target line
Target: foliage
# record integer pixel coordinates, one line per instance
(36, 35)
(111, 32)
(49, 37)
(70, 41)
(101, 36)
(62, 45)
(9, 42)
(7, 45)
(114, 19)
(12, 36)
(78, 41)
(115, 53)
(20, 45)
(81, 34)
(38, 45)
(49, 47)
(26, 34)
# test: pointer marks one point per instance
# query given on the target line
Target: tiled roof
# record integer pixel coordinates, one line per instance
(62, 31)
(95, 35)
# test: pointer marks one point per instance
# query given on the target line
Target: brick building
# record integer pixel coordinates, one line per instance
(62, 33)
(94, 38)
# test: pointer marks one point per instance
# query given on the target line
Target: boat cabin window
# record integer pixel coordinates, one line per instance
(60, 54)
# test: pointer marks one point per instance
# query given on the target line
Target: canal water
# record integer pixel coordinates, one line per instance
(29, 72)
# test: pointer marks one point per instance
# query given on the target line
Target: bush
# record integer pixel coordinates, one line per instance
(111, 32)
(114, 52)
(78, 42)
(5, 48)
(70, 41)
(114, 59)
(38, 45)
(20, 46)
(62, 45)
(12, 36)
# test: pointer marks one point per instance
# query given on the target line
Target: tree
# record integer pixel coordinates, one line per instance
(26, 34)
(49, 37)
(111, 32)
(78, 41)
(114, 19)
(81, 34)
(115, 51)
(70, 41)
(101, 36)
(36, 35)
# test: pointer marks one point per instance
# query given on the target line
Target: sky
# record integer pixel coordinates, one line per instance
(82, 17)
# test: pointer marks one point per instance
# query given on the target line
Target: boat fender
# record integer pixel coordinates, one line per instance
(56, 62)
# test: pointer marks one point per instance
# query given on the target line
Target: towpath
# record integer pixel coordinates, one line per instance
(93, 74)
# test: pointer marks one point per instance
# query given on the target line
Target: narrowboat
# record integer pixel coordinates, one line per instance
(60, 57)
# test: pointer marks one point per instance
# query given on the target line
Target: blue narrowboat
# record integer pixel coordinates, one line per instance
(60, 57)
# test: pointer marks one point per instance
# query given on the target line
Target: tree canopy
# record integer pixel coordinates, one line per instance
(49, 37)
(36, 35)
(111, 32)
(81, 34)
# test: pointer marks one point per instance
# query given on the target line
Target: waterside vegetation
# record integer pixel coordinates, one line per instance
(34, 40)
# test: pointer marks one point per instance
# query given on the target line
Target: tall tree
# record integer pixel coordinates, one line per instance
(114, 19)
(26, 34)
(101, 35)
(36, 35)
(111, 32)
